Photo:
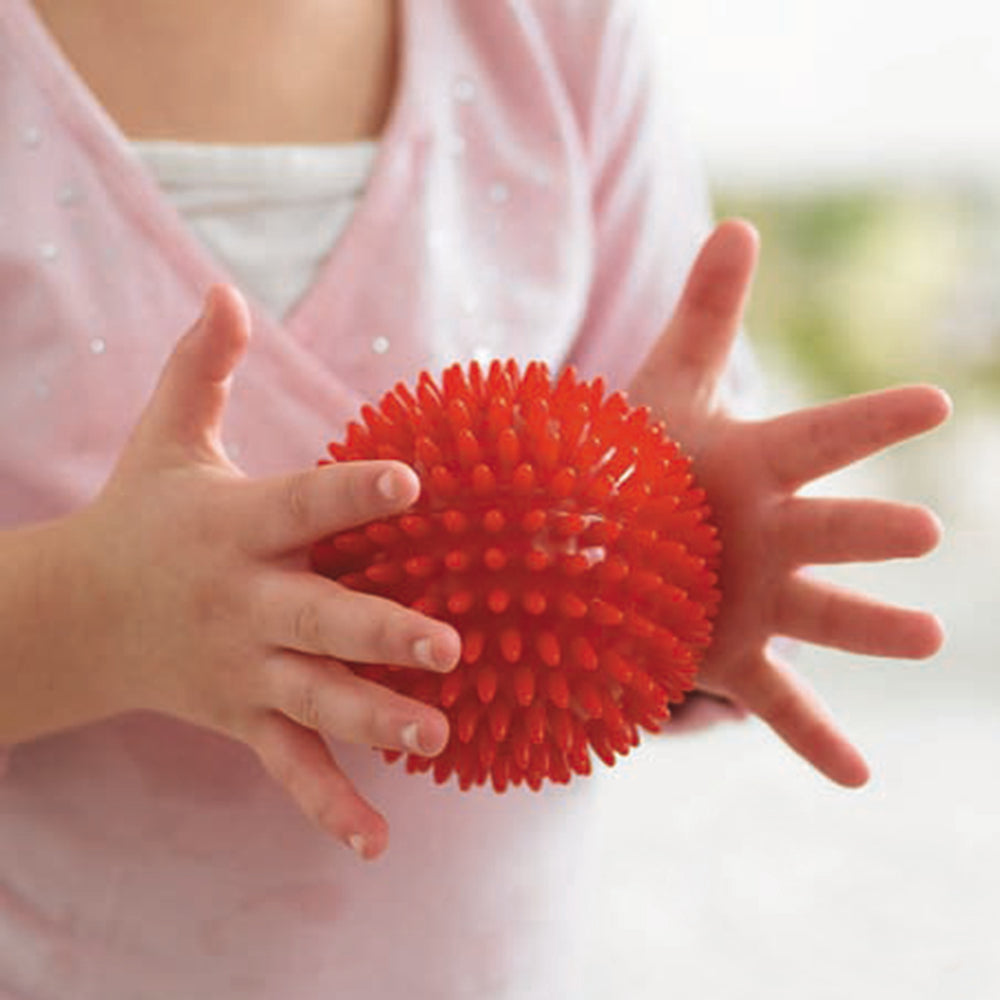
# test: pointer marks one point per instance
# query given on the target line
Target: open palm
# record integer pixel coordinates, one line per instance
(752, 471)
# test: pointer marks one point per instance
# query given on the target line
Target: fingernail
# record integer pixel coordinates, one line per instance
(357, 843)
(208, 308)
(390, 486)
(423, 652)
(411, 737)
(440, 656)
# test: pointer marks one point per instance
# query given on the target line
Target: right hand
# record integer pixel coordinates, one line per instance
(198, 600)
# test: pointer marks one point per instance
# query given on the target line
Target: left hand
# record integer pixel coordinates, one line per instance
(752, 471)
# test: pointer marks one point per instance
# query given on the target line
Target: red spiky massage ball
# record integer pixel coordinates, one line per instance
(559, 532)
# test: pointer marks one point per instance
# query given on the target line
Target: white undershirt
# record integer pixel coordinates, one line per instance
(269, 214)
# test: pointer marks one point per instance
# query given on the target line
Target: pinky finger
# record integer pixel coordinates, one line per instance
(776, 693)
(299, 761)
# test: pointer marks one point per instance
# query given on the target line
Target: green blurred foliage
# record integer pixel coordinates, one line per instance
(862, 287)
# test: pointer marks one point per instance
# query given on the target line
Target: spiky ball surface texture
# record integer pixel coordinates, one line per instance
(558, 530)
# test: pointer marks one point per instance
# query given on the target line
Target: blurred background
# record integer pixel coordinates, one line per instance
(863, 140)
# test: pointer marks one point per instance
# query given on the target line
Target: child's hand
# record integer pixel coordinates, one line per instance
(751, 471)
(199, 602)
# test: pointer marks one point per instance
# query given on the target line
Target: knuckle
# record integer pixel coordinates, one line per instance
(297, 500)
(329, 812)
(713, 290)
(832, 621)
(309, 709)
(835, 529)
(369, 723)
(382, 635)
(821, 439)
(296, 782)
(362, 713)
(262, 737)
(777, 522)
(777, 607)
(216, 601)
(387, 637)
(286, 773)
(307, 627)
(778, 708)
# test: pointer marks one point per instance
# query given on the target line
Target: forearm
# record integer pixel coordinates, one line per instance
(48, 633)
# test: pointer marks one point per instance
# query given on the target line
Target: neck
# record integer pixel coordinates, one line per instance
(308, 71)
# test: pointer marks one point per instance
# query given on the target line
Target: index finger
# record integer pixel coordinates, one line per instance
(289, 512)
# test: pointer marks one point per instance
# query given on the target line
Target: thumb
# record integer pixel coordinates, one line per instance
(681, 374)
(187, 406)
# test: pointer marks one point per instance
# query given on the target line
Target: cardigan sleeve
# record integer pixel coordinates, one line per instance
(650, 202)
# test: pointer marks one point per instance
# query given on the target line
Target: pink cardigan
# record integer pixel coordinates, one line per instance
(531, 198)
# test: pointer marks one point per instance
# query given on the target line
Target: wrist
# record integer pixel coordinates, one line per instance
(52, 631)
